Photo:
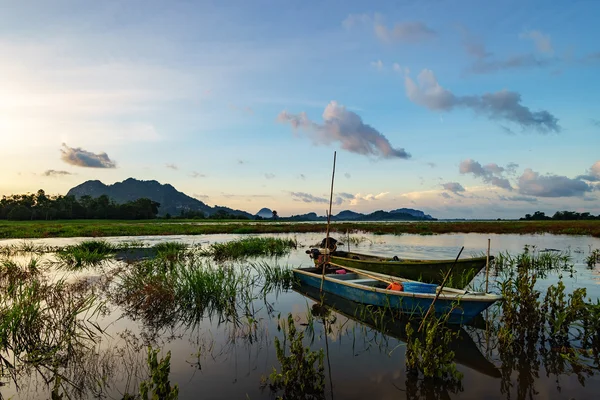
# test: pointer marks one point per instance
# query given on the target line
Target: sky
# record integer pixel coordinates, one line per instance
(459, 108)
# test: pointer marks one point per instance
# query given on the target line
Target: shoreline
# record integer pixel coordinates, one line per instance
(102, 228)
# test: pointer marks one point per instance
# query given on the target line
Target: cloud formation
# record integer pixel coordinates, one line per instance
(490, 173)
(453, 187)
(358, 197)
(269, 175)
(531, 183)
(518, 198)
(308, 198)
(593, 174)
(83, 158)
(403, 32)
(196, 174)
(503, 105)
(347, 128)
(55, 173)
(172, 166)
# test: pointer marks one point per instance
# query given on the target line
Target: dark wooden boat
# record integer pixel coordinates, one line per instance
(465, 350)
(429, 271)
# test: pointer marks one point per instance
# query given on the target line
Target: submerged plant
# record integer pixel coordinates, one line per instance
(299, 378)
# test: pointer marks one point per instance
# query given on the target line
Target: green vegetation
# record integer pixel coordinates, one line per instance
(85, 254)
(163, 294)
(298, 378)
(99, 228)
(39, 206)
(250, 247)
(276, 278)
(158, 385)
(593, 258)
(44, 326)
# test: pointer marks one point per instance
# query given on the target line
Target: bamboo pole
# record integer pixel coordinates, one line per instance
(487, 267)
(326, 258)
(441, 288)
(378, 278)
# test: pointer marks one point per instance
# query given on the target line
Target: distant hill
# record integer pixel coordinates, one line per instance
(380, 215)
(265, 213)
(171, 200)
(414, 213)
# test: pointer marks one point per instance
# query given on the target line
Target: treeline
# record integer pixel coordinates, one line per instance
(560, 215)
(39, 206)
(192, 214)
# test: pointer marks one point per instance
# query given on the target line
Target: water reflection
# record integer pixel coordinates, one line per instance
(225, 355)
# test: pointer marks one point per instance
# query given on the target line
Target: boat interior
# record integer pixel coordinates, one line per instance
(350, 276)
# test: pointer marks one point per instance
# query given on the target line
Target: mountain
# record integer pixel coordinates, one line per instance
(414, 213)
(171, 200)
(393, 216)
(347, 215)
(265, 213)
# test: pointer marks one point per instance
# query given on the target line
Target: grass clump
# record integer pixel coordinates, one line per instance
(86, 254)
(298, 378)
(250, 247)
(165, 295)
(44, 326)
(275, 277)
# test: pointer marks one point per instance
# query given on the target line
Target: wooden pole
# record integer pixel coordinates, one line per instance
(326, 258)
(441, 288)
(487, 267)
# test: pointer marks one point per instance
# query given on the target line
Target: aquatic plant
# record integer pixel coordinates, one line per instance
(276, 278)
(534, 260)
(250, 247)
(593, 258)
(45, 326)
(432, 356)
(86, 254)
(299, 378)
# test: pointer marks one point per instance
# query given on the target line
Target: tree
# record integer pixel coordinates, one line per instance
(275, 216)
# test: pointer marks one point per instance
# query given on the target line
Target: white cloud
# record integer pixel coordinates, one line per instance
(490, 173)
(502, 105)
(83, 158)
(347, 128)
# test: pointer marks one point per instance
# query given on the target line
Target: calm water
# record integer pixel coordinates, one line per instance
(218, 360)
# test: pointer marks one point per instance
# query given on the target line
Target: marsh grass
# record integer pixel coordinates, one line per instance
(89, 253)
(557, 331)
(275, 278)
(531, 259)
(44, 326)
(98, 228)
(182, 294)
(26, 247)
(249, 247)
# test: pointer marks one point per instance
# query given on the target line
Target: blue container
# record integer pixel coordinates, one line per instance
(419, 287)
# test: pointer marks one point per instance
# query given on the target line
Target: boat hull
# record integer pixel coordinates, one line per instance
(429, 271)
(415, 304)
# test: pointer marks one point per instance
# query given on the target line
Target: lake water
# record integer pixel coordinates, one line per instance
(218, 359)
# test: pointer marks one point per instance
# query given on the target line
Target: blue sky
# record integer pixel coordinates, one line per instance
(458, 108)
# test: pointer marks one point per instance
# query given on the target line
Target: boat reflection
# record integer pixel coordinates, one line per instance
(465, 350)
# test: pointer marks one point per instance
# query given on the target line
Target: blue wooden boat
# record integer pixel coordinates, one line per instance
(371, 288)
